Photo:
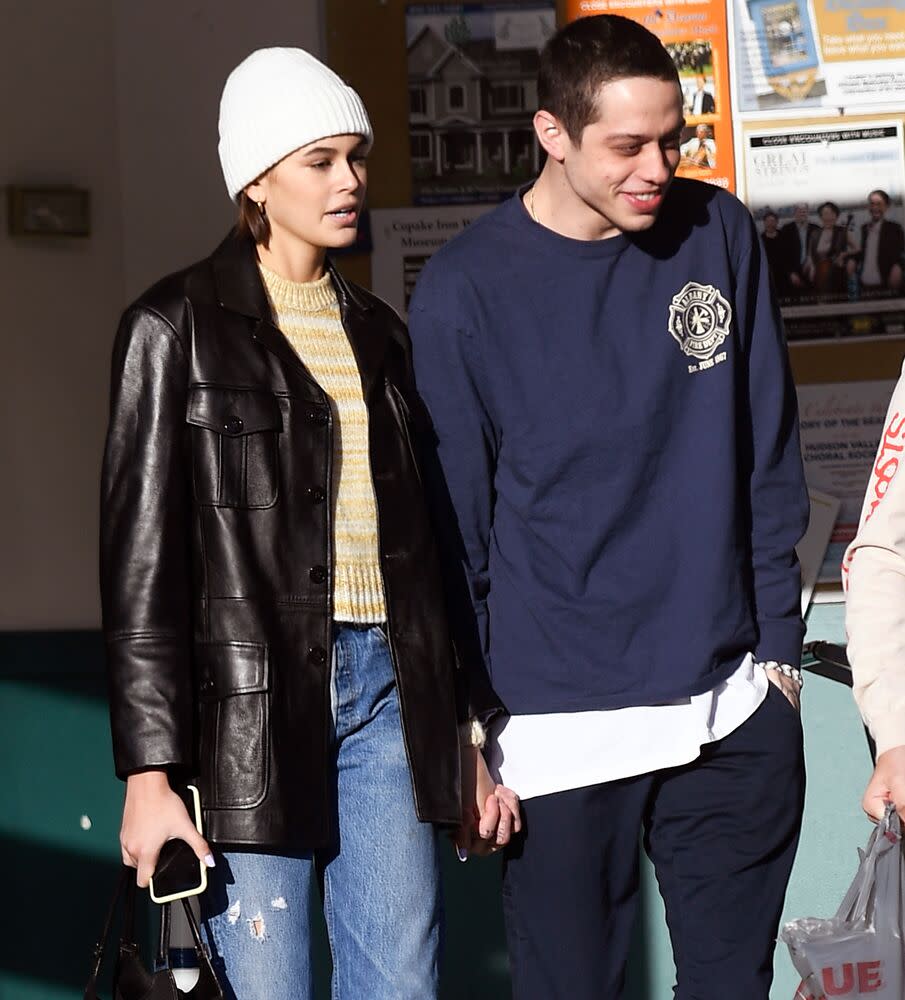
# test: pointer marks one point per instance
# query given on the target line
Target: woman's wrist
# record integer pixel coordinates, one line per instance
(473, 734)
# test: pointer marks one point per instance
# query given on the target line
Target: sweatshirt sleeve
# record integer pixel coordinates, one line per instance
(873, 573)
(459, 472)
(778, 493)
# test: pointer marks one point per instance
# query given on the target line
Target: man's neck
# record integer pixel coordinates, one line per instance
(553, 204)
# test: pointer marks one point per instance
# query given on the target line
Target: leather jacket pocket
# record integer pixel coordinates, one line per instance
(235, 723)
(235, 455)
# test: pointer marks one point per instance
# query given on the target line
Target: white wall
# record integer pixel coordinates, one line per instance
(119, 97)
(58, 304)
(173, 57)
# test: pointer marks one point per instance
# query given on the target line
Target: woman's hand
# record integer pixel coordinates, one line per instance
(490, 812)
(153, 814)
(887, 784)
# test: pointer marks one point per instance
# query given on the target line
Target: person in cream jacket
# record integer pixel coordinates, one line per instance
(873, 574)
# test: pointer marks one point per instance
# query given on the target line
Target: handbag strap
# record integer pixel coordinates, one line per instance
(163, 941)
(124, 882)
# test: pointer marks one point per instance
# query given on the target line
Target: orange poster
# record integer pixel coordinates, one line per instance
(695, 34)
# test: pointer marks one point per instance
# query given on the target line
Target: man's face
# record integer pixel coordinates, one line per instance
(801, 213)
(702, 132)
(770, 224)
(628, 154)
(876, 205)
(700, 82)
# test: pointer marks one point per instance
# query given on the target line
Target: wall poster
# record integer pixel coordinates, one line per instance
(828, 201)
(796, 54)
(841, 424)
(472, 92)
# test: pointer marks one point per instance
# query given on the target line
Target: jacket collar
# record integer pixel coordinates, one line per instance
(238, 286)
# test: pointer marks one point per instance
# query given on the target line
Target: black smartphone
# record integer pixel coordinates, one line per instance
(179, 873)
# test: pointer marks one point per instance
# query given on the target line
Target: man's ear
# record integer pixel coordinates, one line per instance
(551, 135)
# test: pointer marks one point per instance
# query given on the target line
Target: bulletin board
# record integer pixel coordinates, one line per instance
(366, 43)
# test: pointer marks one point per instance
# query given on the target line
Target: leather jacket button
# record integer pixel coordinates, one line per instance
(233, 424)
(317, 654)
(318, 417)
(316, 494)
(317, 574)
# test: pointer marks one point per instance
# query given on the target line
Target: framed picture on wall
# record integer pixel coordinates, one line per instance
(48, 211)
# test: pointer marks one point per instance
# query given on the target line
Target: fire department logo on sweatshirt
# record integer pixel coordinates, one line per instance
(699, 319)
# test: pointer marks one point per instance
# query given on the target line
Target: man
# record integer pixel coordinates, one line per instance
(796, 236)
(882, 248)
(702, 103)
(700, 150)
(616, 429)
(773, 249)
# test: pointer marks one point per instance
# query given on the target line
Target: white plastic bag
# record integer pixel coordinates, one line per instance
(858, 952)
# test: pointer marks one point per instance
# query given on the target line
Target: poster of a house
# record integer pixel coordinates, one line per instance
(472, 73)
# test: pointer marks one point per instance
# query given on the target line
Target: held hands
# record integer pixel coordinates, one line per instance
(886, 785)
(490, 812)
(152, 815)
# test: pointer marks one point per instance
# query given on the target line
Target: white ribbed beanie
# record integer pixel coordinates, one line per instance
(275, 101)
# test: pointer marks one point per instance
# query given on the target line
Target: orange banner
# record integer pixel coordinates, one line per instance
(695, 34)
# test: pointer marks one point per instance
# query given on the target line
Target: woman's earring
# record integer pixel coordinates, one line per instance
(260, 205)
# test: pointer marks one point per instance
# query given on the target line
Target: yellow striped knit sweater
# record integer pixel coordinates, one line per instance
(308, 314)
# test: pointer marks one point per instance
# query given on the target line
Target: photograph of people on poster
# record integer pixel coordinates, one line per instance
(694, 61)
(828, 201)
(698, 149)
(472, 74)
(804, 54)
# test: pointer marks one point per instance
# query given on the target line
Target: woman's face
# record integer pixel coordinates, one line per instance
(315, 194)
(828, 216)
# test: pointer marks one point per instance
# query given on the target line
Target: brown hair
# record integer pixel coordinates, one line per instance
(590, 52)
(253, 221)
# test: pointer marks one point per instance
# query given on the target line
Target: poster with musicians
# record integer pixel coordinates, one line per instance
(828, 202)
(697, 39)
(805, 54)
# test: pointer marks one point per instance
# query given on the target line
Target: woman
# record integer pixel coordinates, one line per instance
(272, 605)
(829, 247)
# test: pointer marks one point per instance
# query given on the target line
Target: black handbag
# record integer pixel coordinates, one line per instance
(131, 980)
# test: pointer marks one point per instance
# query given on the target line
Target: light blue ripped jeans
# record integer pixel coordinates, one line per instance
(381, 887)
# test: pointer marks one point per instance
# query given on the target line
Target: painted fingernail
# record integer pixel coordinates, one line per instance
(461, 853)
(209, 860)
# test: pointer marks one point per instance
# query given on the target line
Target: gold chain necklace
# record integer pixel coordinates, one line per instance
(531, 211)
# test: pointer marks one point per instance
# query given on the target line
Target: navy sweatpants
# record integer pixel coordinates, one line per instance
(721, 833)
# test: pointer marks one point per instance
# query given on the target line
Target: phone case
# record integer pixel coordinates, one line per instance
(177, 861)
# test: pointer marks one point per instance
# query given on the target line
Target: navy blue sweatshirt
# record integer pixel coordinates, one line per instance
(618, 437)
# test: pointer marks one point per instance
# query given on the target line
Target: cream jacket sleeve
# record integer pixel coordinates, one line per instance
(873, 574)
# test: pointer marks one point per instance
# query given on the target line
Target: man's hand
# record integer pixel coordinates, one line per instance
(790, 690)
(490, 812)
(152, 815)
(886, 785)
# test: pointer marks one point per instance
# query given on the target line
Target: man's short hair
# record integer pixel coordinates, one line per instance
(881, 194)
(592, 51)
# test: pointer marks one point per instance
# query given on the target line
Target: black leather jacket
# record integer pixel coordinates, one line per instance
(216, 560)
